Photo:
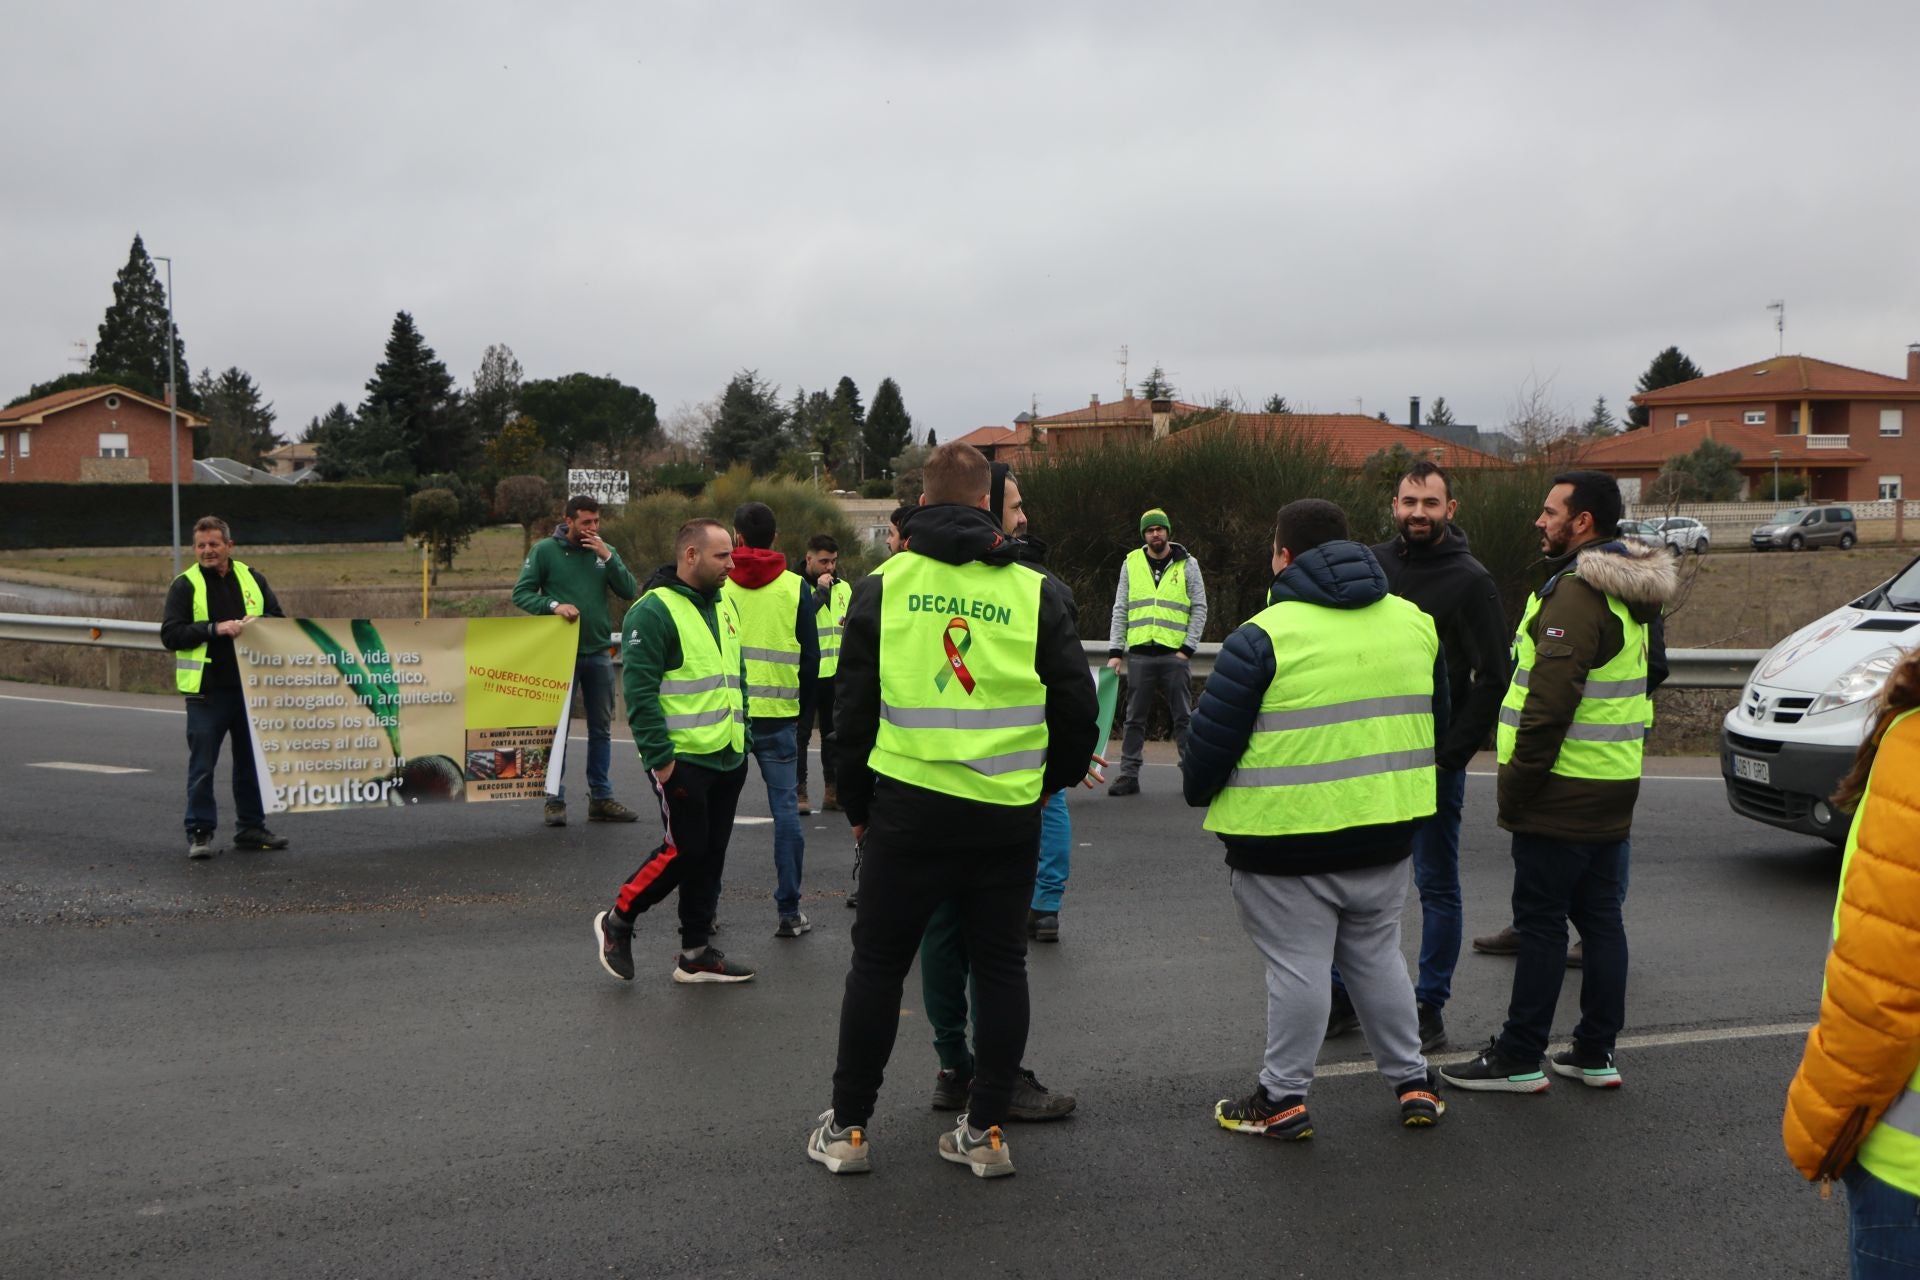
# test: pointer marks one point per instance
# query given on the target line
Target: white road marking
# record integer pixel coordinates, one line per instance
(97, 706)
(1653, 1040)
(752, 822)
(82, 768)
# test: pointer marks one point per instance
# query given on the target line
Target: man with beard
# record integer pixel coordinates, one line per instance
(1159, 613)
(1572, 729)
(1429, 564)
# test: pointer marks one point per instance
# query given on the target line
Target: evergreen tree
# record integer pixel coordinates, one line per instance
(133, 334)
(1276, 403)
(933, 441)
(750, 425)
(496, 391)
(838, 433)
(1439, 414)
(413, 390)
(1710, 473)
(240, 427)
(1670, 368)
(590, 418)
(1600, 422)
(370, 446)
(1156, 386)
(889, 427)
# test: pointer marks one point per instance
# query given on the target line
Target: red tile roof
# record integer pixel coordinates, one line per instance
(1789, 376)
(1114, 413)
(34, 412)
(1351, 437)
(984, 437)
(1637, 450)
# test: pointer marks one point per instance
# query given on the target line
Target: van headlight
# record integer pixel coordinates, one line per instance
(1862, 680)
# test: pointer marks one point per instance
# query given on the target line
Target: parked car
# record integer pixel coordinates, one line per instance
(1800, 527)
(1679, 534)
(1807, 705)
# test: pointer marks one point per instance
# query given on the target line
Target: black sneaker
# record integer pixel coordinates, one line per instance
(1256, 1113)
(1589, 1067)
(710, 966)
(1495, 1072)
(258, 838)
(1043, 926)
(555, 813)
(1124, 785)
(794, 925)
(1433, 1029)
(1420, 1105)
(200, 845)
(1034, 1101)
(950, 1090)
(1342, 1017)
(616, 945)
(608, 810)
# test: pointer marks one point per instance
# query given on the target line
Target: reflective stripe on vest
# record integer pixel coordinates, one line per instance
(1157, 613)
(768, 643)
(831, 620)
(1319, 758)
(190, 665)
(1891, 1151)
(1606, 740)
(700, 699)
(962, 710)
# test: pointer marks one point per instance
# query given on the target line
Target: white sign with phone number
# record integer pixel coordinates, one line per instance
(608, 488)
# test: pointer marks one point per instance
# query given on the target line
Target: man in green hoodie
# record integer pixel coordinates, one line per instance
(684, 680)
(569, 575)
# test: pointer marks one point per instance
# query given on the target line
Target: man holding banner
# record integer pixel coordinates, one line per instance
(569, 575)
(684, 680)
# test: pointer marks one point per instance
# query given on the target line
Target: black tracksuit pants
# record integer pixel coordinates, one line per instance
(696, 810)
(901, 883)
(821, 709)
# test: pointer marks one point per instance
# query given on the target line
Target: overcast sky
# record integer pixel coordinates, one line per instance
(1339, 202)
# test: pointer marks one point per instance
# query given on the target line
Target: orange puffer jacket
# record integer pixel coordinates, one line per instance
(1860, 1057)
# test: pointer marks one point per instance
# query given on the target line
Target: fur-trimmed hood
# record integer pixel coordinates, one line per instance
(1641, 577)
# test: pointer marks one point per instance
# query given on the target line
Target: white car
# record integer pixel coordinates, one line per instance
(1679, 534)
(1807, 705)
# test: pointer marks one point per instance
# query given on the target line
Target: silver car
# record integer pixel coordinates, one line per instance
(1679, 534)
(1797, 528)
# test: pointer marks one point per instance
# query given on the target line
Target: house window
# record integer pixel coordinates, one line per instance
(26, 443)
(113, 444)
(1756, 417)
(1890, 423)
(1890, 489)
(1680, 420)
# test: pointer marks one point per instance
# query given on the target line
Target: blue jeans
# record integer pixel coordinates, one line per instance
(1884, 1232)
(1555, 881)
(212, 714)
(776, 749)
(593, 676)
(1056, 853)
(1436, 873)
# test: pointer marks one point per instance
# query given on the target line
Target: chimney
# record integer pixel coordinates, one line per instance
(1094, 401)
(1413, 413)
(1128, 395)
(1913, 362)
(1162, 418)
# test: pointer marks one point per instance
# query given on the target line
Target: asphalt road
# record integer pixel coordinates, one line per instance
(389, 1051)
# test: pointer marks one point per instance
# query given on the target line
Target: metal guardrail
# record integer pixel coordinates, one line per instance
(1690, 668)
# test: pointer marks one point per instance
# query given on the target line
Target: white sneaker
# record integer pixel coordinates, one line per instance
(841, 1150)
(988, 1155)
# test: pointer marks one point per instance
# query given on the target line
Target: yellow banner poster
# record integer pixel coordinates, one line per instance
(353, 712)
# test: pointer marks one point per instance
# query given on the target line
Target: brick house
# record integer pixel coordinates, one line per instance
(1128, 418)
(1351, 438)
(1843, 429)
(93, 434)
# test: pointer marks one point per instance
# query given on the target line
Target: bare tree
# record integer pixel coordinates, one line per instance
(687, 424)
(1535, 420)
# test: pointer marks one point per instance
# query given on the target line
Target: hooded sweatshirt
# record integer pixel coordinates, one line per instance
(959, 535)
(1196, 595)
(1586, 634)
(756, 567)
(557, 571)
(1458, 593)
(1334, 575)
(651, 648)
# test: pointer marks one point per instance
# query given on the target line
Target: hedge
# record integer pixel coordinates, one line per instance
(141, 515)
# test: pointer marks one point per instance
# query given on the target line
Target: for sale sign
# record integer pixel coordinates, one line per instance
(608, 488)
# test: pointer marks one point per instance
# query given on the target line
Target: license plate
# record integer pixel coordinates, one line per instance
(1753, 770)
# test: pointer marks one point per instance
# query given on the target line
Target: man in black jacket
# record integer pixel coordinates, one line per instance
(968, 831)
(1430, 565)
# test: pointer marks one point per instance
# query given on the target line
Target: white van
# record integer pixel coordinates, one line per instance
(1804, 711)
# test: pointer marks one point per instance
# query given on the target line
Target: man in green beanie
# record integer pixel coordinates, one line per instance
(1159, 611)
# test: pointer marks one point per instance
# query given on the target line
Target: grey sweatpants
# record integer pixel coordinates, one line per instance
(1145, 673)
(1301, 924)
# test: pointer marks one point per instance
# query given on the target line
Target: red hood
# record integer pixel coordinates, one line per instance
(754, 568)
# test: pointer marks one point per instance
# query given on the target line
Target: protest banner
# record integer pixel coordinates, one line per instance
(352, 712)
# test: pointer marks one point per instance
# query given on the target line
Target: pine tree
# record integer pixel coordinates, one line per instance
(933, 441)
(1439, 414)
(889, 427)
(1155, 386)
(1670, 368)
(1276, 403)
(134, 332)
(241, 426)
(412, 388)
(750, 426)
(590, 418)
(496, 391)
(1600, 421)
(837, 433)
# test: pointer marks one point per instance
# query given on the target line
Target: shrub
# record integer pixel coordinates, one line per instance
(876, 488)
(434, 515)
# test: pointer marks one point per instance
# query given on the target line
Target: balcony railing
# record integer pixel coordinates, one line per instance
(1827, 442)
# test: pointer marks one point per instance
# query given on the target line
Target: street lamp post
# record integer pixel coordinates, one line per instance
(173, 418)
(1776, 475)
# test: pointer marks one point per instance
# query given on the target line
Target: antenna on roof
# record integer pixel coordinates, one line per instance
(1125, 386)
(1779, 307)
(80, 353)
